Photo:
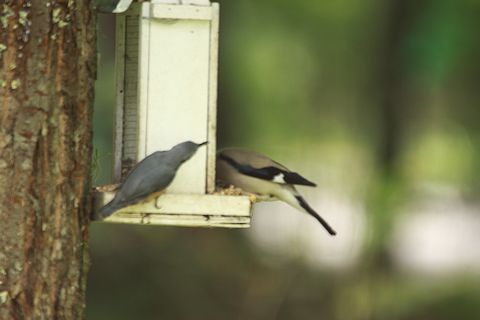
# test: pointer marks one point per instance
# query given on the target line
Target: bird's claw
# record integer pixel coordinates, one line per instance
(157, 206)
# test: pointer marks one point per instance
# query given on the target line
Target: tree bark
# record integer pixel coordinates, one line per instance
(47, 71)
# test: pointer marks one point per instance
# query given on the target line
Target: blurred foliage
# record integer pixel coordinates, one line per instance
(384, 94)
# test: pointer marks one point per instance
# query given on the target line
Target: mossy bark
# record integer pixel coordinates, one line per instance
(47, 72)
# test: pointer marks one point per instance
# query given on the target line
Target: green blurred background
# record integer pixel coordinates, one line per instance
(377, 102)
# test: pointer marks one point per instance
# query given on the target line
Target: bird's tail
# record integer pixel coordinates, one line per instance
(293, 198)
(313, 213)
(109, 208)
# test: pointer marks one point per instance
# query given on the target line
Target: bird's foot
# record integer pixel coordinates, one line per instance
(252, 197)
(157, 206)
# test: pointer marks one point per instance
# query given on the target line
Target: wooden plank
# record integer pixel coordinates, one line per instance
(190, 204)
(192, 2)
(174, 89)
(166, 1)
(181, 221)
(184, 12)
(212, 98)
(197, 2)
(183, 210)
(168, 89)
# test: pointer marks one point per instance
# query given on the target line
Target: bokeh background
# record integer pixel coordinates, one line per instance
(375, 101)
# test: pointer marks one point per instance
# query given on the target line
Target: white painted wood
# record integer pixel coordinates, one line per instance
(166, 73)
(184, 210)
(174, 91)
(196, 2)
(202, 204)
(193, 204)
(182, 221)
(212, 98)
(167, 88)
(165, 1)
(185, 12)
(192, 2)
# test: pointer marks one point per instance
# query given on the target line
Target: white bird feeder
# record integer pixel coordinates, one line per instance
(166, 82)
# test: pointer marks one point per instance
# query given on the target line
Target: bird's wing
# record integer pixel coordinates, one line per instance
(148, 160)
(274, 173)
(143, 189)
(148, 176)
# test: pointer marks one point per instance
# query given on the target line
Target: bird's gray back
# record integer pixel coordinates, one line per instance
(152, 174)
(253, 159)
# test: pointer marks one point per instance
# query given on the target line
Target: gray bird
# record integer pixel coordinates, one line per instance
(255, 173)
(150, 176)
(114, 6)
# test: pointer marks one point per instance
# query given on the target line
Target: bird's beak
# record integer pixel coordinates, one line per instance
(202, 144)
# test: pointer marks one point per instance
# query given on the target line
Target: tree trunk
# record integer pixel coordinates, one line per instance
(47, 71)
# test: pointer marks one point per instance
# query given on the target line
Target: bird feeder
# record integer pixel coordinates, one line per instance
(166, 93)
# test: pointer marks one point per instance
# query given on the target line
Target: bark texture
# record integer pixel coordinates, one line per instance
(47, 71)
